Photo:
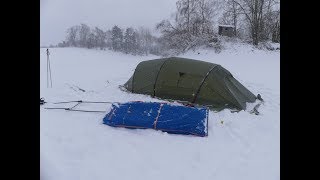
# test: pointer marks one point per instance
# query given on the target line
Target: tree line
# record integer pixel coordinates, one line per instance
(129, 40)
(194, 25)
(194, 22)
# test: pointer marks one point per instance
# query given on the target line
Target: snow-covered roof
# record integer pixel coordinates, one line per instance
(222, 25)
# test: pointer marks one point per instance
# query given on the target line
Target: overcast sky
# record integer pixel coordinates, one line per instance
(58, 15)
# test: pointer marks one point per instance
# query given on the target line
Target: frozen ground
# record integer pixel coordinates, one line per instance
(77, 146)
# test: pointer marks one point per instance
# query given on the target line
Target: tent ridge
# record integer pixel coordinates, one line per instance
(196, 95)
(155, 82)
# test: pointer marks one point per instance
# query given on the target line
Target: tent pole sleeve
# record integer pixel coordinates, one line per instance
(203, 80)
(155, 82)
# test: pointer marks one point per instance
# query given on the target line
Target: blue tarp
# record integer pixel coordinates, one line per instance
(176, 119)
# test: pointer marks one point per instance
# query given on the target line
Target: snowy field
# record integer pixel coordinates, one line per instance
(77, 146)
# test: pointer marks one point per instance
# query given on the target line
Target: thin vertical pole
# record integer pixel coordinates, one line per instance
(47, 69)
(50, 72)
(49, 78)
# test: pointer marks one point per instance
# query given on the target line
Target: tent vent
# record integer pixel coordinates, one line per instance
(181, 74)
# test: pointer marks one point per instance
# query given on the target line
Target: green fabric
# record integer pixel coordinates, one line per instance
(189, 80)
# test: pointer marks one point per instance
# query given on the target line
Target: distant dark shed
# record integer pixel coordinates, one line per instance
(226, 30)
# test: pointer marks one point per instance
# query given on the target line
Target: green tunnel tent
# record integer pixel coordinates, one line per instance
(189, 80)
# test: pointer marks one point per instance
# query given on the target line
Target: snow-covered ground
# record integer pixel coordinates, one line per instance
(77, 146)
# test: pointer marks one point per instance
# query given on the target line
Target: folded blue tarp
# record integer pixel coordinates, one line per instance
(176, 119)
